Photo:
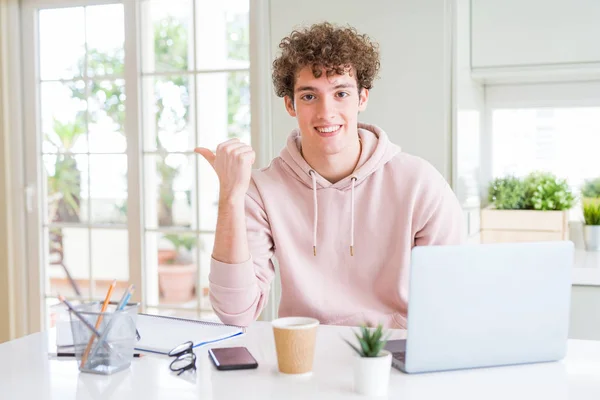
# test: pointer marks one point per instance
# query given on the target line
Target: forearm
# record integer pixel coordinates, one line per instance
(239, 283)
(231, 241)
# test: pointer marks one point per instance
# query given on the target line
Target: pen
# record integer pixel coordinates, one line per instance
(116, 304)
(120, 306)
(125, 297)
(136, 355)
(123, 302)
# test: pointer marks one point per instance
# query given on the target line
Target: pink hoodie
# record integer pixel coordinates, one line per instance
(392, 202)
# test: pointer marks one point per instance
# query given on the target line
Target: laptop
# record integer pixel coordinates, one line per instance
(484, 305)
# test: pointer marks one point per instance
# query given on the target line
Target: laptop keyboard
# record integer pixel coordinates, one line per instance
(400, 356)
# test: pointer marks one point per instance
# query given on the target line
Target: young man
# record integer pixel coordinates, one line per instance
(340, 208)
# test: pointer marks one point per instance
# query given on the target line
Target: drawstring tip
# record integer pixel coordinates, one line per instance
(352, 251)
(315, 250)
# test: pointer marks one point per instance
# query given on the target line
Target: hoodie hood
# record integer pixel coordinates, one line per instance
(376, 151)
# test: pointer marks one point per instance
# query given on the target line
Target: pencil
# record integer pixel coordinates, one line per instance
(120, 306)
(98, 322)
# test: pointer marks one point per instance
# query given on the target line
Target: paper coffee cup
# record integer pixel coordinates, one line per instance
(295, 344)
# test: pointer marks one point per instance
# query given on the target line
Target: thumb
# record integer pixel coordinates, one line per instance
(207, 154)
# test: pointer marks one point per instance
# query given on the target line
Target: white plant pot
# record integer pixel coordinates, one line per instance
(591, 234)
(372, 374)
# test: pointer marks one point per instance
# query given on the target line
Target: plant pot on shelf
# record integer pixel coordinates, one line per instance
(591, 221)
(166, 255)
(530, 209)
(498, 226)
(177, 282)
(372, 374)
(591, 235)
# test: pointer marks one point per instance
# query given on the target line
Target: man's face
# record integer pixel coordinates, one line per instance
(327, 110)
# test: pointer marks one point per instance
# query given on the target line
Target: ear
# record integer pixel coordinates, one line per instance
(289, 106)
(363, 99)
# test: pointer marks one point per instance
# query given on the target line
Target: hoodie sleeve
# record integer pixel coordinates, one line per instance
(442, 221)
(239, 292)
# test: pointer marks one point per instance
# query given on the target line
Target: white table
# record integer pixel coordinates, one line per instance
(27, 372)
(586, 269)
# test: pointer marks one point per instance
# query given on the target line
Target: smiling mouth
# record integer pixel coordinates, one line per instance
(328, 130)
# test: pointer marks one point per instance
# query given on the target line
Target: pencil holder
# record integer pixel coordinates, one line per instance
(113, 350)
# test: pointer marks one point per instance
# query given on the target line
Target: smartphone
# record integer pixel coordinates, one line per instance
(230, 358)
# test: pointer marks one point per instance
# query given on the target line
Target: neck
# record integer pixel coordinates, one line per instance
(334, 167)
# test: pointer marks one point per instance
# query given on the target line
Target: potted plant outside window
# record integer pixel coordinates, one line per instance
(177, 274)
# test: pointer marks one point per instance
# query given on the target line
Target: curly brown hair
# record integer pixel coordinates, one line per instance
(325, 46)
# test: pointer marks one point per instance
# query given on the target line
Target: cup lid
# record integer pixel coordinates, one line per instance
(295, 323)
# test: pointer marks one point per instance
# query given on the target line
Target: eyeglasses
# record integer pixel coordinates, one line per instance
(185, 358)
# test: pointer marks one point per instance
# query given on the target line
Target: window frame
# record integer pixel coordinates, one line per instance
(260, 133)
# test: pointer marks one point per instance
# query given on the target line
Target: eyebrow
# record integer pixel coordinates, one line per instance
(314, 89)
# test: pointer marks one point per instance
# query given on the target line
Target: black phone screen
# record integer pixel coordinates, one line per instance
(229, 358)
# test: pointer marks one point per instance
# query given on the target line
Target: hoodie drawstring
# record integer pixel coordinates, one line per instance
(316, 217)
(352, 218)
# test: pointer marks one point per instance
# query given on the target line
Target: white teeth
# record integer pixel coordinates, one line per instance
(329, 129)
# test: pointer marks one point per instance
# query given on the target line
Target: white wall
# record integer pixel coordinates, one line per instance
(516, 41)
(585, 303)
(411, 101)
(534, 32)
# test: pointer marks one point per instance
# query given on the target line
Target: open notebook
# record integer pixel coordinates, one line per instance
(160, 334)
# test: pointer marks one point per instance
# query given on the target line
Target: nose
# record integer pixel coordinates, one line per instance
(326, 108)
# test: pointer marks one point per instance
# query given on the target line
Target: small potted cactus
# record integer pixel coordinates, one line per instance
(373, 364)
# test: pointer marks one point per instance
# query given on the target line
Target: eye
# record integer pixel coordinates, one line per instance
(308, 97)
(343, 94)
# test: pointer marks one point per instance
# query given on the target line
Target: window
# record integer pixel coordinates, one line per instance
(195, 92)
(83, 150)
(545, 127)
(563, 141)
(89, 125)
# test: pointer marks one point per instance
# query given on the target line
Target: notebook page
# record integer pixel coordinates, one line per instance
(161, 334)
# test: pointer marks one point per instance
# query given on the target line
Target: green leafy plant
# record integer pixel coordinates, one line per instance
(64, 185)
(185, 241)
(537, 191)
(507, 193)
(591, 188)
(591, 211)
(371, 342)
(544, 191)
